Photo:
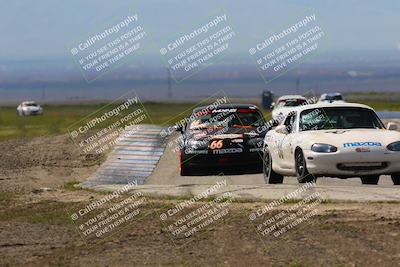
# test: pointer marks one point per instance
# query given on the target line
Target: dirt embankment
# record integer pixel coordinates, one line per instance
(41, 234)
(29, 164)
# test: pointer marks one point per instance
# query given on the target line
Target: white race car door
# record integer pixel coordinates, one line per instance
(274, 140)
(286, 146)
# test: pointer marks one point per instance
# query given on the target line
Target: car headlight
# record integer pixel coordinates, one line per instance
(394, 146)
(323, 148)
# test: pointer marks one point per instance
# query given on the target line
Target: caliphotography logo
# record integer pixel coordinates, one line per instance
(109, 214)
(104, 50)
(286, 48)
(278, 217)
(189, 219)
(200, 47)
(103, 129)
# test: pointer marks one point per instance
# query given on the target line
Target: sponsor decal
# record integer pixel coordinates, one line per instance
(192, 151)
(358, 144)
(363, 149)
(216, 144)
(227, 136)
(224, 110)
(228, 151)
(237, 140)
(255, 149)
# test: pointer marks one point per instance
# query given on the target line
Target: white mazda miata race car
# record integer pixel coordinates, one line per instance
(28, 108)
(337, 140)
(285, 104)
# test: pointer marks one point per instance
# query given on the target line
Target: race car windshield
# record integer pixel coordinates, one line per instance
(30, 105)
(292, 102)
(333, 97)
(339, 118)
(242, 118)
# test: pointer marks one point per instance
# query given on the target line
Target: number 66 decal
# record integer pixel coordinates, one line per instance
(217, 144)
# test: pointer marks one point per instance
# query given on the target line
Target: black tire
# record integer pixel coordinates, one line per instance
(303, 176)
(396, 179)
(270, 177)
(185, 169)
(370, 179)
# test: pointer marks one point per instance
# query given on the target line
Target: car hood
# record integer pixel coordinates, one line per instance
(350, 138)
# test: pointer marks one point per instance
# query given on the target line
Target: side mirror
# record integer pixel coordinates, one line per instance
(281, 129)
(179, 129)
(392, 126)
(272, 105)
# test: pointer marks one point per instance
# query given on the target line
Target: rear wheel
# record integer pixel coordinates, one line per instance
(396, 179)
(270, 177)
(370, 179)
(303, 176)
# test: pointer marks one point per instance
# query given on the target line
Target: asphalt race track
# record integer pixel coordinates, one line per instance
(166, 180)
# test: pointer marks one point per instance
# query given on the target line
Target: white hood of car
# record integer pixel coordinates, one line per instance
(349, 138)
(31, 108)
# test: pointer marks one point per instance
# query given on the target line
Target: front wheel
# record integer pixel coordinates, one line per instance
(396, 179)
(303, 176)
(270, 177)
(185, 169)
(370, 179)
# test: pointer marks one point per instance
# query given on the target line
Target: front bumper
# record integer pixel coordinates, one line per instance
(351, 163)
(237, 159)
(34, 112)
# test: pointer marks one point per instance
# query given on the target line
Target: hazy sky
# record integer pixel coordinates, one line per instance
(48, 28)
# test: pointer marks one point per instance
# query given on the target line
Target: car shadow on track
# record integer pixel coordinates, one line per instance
(232, 170)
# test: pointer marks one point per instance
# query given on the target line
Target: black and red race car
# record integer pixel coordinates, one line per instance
(229, 136)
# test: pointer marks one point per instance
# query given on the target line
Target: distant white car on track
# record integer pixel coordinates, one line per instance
(331, 97)
(332, 139)
(28, 108)
(285, 104)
